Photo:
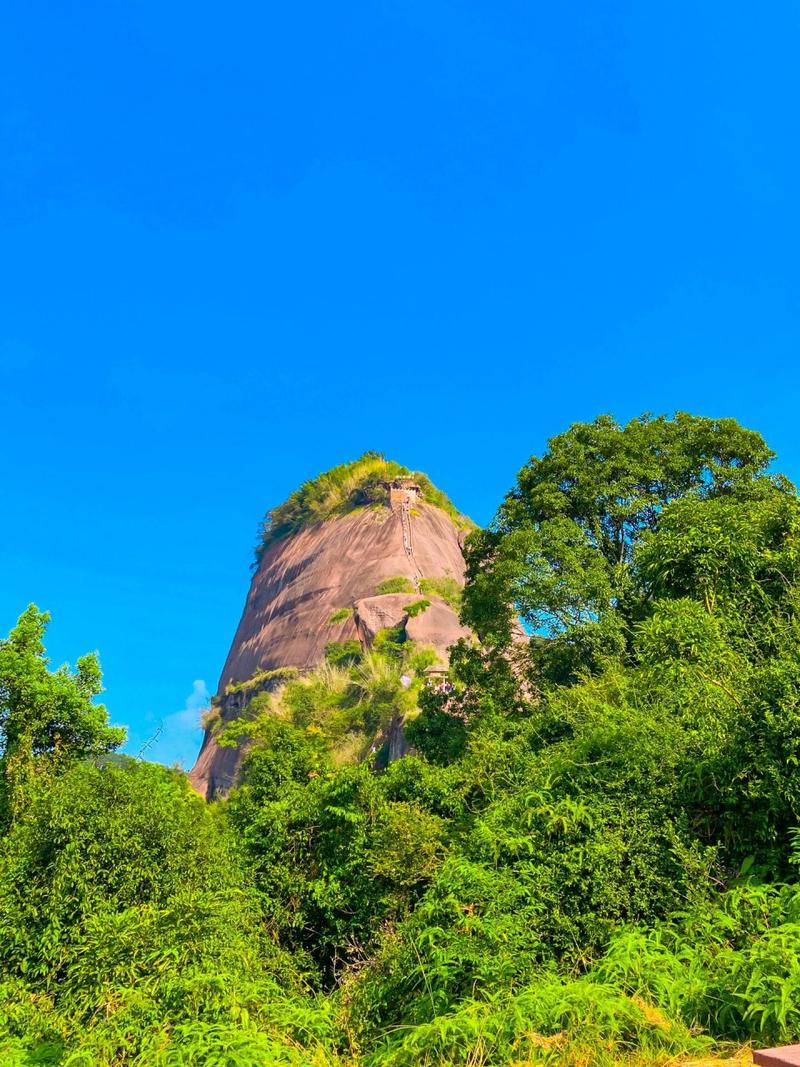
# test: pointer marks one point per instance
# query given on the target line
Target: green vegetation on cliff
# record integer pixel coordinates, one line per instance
(397, 583)
(345, 488)
(447, 589)
(416, 607)
(590, 858)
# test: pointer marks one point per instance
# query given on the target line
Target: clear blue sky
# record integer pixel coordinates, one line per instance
(244, 242)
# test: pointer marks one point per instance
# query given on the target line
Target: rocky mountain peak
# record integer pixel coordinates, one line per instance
(364, 547)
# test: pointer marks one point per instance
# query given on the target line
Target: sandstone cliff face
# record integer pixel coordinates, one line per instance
(302, 580)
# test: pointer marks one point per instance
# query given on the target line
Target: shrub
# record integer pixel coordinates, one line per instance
(397, 584)
(126, 916)
(391, 642)
(445, 588)
(416, 608)
(260, 678)
(343, 653)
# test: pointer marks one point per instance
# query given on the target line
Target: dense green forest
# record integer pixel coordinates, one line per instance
(589, 858)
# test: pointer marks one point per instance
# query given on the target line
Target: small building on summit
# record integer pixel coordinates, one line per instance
(403, 491)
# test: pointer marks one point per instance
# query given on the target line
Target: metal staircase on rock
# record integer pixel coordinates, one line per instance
(408, 544)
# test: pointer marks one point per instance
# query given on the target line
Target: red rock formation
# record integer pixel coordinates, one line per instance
(303, 579)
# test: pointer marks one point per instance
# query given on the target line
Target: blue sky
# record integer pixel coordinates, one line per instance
(241, 244)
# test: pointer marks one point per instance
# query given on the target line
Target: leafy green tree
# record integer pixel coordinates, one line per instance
(560, 550)
(737, 553)
(46, 717)
(437, 733)
(722, 638)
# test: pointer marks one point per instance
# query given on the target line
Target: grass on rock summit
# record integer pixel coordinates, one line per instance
(343, 489)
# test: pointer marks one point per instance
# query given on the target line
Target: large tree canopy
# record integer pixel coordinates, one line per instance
(560, 553)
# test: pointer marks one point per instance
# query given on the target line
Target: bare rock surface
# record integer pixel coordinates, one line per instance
(376, 613)
(437, 625)
(304, 579)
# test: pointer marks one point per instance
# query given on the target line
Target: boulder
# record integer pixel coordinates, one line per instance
(376, 613)
(437, 625)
